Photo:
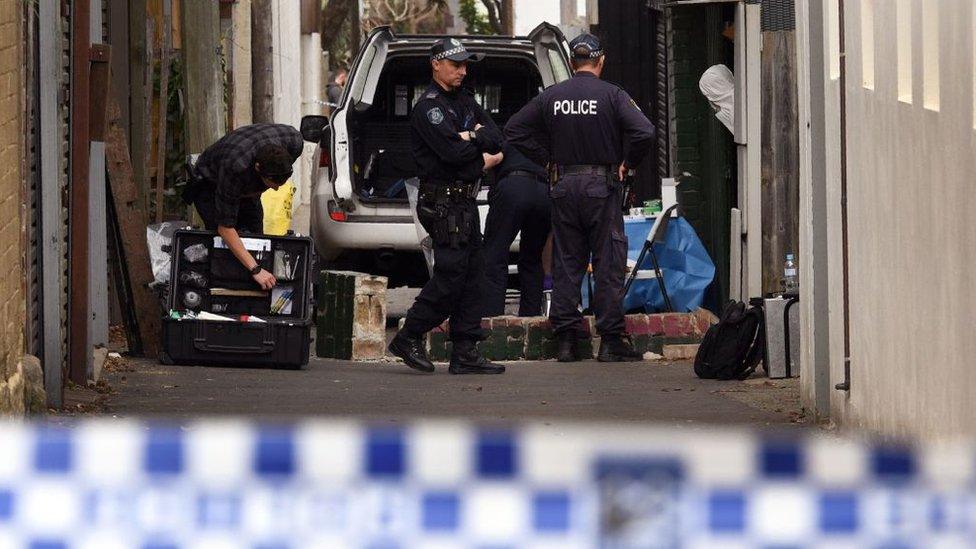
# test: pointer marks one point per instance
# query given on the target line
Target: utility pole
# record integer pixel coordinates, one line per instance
(508, 17)
(139, 90)
(78, 306)
(567, 12)
(240, 55)
(203, 81)
(355, 33)
(262, 62)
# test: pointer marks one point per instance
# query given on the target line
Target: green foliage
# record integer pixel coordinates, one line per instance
(339, 45)
(175, 142)
(475, 21)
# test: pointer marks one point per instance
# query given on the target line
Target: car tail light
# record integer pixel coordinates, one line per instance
(336, 213)
(324, 160)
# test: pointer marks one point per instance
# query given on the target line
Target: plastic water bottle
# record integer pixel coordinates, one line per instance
(791, 284)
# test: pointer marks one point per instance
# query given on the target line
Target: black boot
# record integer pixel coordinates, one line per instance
(411, 350)
(465, 359)
(614, 349)
(568, 348)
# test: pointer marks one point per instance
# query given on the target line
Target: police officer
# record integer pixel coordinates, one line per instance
(595, 134)
(519, 202)
(454, 142)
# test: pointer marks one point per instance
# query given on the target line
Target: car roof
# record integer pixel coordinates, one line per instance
(404, 42)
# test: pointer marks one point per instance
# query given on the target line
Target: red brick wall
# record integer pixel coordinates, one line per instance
(12, 301)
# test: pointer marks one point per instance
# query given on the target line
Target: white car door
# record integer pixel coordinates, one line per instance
(551, 53)
(361, 89)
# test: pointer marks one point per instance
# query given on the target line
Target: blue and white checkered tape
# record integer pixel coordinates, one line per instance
(450, 484)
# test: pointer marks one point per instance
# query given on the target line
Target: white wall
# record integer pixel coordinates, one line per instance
(912, 230)
(821, 257)
(287, 104)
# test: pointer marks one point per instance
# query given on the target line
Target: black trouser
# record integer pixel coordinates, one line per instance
(250, 212)
(518, 203)
(454, 289)
(586, 219)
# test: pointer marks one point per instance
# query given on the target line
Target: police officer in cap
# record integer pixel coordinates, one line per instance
(454, 142)
(595, 133)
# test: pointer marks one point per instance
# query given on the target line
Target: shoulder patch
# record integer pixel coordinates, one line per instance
(435, 115)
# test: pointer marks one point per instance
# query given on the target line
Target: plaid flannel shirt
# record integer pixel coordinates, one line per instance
(228, 165)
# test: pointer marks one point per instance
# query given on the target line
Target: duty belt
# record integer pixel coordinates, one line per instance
(451, 190)
(584, 169)
(528, 174)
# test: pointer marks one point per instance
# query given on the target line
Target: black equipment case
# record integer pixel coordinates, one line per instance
(215, 282)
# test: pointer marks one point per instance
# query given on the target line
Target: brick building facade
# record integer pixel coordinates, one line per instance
(17, 375)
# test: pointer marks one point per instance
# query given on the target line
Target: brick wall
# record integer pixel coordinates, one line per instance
(12, 301)
(675, 335)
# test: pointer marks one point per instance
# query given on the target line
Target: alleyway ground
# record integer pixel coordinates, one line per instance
(644, 392)
(657, 392)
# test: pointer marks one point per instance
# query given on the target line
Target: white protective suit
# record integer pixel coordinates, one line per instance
(717, 84)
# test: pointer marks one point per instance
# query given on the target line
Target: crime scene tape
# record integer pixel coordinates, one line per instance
(332, 483)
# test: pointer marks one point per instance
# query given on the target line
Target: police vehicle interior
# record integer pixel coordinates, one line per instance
(380, 142)
(361, 217)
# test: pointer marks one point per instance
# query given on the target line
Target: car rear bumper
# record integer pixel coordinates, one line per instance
(384, 230)
(386, 226)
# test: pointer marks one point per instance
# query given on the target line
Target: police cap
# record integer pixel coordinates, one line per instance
(453, 49)
(586, 46)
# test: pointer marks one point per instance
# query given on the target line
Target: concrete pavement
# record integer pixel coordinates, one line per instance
(641, 392)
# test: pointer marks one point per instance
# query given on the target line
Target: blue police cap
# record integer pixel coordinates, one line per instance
(453, 49)
(586, 46)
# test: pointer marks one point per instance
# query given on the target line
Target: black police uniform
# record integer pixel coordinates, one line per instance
(586, 125)
(450, 171)
(519, 202)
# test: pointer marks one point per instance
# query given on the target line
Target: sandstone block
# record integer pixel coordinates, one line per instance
(680, 352)
(368, 349)
(351, 308)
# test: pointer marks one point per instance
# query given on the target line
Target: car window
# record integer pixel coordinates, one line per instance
(418, 91)
(489, 97)
(362, 72)
(560, 71)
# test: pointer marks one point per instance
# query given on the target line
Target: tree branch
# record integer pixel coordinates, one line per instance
(335, 14)
(493, 7)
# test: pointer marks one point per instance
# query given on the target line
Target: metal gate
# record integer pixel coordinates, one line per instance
(32, 188)
(46, 196)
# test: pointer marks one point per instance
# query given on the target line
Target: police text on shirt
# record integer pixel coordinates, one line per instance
(579, 106)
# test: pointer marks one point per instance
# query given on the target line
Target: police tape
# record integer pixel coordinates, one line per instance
(452, 484)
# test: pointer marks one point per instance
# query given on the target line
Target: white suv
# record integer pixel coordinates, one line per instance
(364, 156)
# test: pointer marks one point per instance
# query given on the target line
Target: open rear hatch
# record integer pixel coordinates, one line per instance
(372, 139)
(551, 53)
(362, 83)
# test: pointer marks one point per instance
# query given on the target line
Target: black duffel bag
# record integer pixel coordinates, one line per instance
(733, 348)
